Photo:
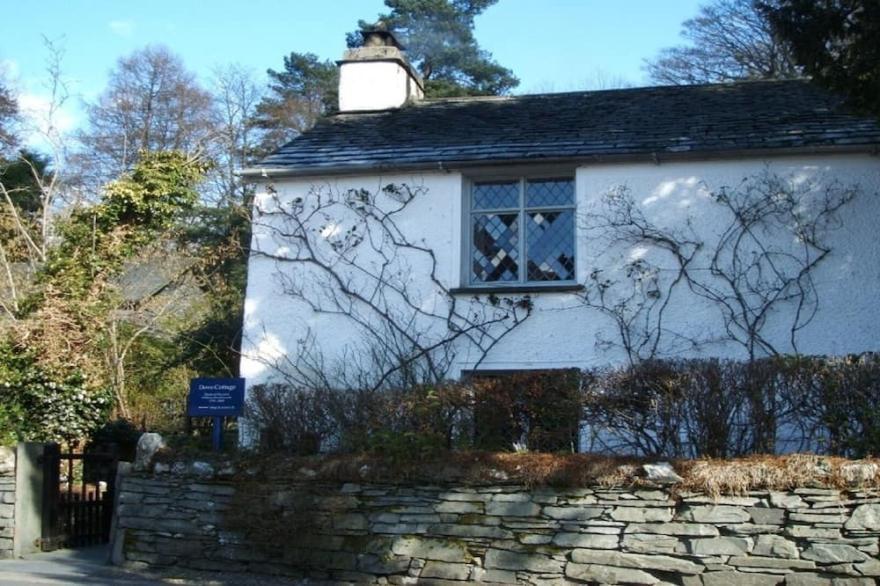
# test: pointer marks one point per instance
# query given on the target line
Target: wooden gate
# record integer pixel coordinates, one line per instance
(78, 491)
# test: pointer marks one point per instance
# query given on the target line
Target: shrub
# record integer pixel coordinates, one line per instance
(289, 420)
(837, 402)
(658, 409)
(724, 408)
(121, 433)
(398, 423)
(38, 405)
(539, 410)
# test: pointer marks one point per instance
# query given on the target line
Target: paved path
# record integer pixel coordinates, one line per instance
(69, 566)
(89, 566)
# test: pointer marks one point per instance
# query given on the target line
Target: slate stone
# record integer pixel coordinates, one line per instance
(513, 509)
(686, 529)
(460, 507)
(720, 546)
(638, 543)
(530, 562)
(633, 560)
(445, 571)
(494, 576)
(864, 518)
(587, 540)
(785, 500)
(740, 579)
(770, 563)
(661, 473)
(766, 516)
(7, 460)
(715, 514)
(775, 546)
(642, 515)
(431, 549)
(147, 446)
(573, 513)
(667, 121)
(833, 553)
(607, 574)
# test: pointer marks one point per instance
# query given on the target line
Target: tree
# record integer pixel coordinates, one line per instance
(439, 39)
(302, 92)
(151, 103)
(77, 319)
(8, 114)
(236, 143)
(31, 191)
(729, 40)
(438, 36)
(837, 42)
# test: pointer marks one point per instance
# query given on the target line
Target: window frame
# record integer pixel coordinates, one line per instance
(467, 274)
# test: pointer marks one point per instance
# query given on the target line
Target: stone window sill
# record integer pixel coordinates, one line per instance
(517, 289)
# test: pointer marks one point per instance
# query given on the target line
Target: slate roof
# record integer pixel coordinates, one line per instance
(662, 122)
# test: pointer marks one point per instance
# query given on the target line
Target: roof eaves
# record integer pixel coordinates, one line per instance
(656, 156)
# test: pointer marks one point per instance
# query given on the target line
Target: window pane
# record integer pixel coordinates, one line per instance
(493, 196)
(550, 245)
(496, 248)
(549, 192)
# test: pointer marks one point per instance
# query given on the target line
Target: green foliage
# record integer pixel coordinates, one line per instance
(836, 41)
(95, 241)
(221, 236)
(299, 94)
(20, 178)
(37, 405)
(17, 177)
(157, 380)
(120, 432)
(159, 190)
(439, 39)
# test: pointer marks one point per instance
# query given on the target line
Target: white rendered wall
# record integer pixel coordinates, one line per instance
(561, 332)
(373, 85)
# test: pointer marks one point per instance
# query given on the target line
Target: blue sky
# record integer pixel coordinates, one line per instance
(552, 45)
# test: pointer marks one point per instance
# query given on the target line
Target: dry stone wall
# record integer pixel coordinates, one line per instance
(7, 501)
(370, 533)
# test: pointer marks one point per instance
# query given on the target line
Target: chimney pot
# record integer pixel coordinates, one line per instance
(380, 37)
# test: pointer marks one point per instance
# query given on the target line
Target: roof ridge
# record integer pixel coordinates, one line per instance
(428, 101)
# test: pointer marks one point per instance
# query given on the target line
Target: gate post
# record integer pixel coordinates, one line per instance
(28, 498)
(7, 501)
(51, 483)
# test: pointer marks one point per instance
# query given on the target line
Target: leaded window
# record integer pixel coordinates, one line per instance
(522, 231)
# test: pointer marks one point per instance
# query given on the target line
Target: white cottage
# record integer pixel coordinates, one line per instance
(409, 238)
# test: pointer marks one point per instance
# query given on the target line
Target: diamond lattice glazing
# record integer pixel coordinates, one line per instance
(496, 247)
(550, 246)
(549, 192)
(494, 196)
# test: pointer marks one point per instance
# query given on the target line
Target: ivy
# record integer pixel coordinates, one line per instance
(37, 405)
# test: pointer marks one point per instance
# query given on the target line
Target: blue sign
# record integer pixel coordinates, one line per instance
(215, 397)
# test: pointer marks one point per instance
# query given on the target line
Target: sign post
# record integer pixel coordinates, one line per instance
(216, 398)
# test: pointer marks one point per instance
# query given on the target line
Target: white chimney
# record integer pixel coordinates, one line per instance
(377, 76)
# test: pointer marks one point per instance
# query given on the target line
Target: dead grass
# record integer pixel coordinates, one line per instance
(712, 477)
(709, 476)
(716, 477)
